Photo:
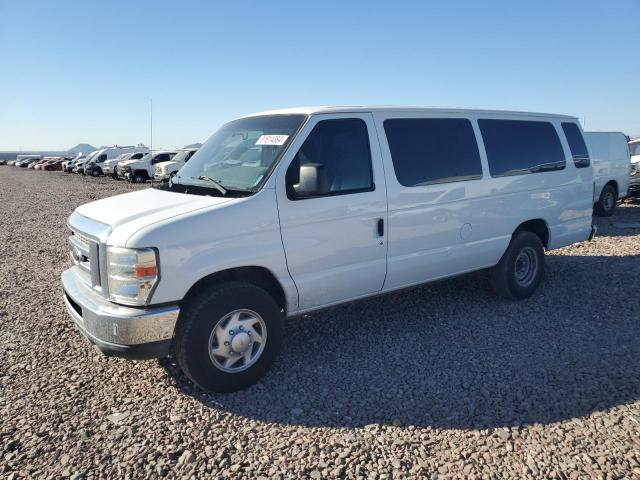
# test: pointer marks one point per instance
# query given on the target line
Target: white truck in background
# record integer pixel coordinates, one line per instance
(164, 170)
(634, 171)
(96, 166)
(109, 167)
(141, 170)
(609, 154)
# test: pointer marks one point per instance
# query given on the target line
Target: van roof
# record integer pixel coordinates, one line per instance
(397, 108)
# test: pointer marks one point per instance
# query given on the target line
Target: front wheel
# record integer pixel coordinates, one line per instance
(521, 268)
(228, 336)
(607, 202)
(138, 178)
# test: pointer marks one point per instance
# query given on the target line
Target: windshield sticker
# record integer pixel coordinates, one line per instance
(272, 139)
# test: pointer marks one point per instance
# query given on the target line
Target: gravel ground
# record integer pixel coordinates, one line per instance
(442, 381)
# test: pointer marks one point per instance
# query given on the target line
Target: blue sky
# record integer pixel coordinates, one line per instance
(84, 71)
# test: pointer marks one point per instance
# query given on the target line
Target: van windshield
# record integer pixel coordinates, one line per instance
(181, 155)
(241, 154)
(634, 149)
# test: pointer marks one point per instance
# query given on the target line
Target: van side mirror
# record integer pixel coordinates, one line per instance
(309, 183)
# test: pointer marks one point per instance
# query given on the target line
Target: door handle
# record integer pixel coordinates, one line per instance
(381, 227)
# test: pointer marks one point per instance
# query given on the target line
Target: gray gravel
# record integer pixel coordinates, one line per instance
(445, 380)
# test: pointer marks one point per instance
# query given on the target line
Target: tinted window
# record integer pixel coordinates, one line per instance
(340, 149)
(576, 145)
(163, 157)
(516, 147)
(102, 157)
(427, 151)
(137, 156)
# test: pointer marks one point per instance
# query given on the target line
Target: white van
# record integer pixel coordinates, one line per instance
(290, 211)
(109, 154)
(634, 174)
(609, 154)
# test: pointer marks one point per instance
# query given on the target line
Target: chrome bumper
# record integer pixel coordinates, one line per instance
(161, 178)
(136, 333)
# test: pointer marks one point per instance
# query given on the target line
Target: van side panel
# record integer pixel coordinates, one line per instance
(610, 159)
(441, 230)
(197, 244)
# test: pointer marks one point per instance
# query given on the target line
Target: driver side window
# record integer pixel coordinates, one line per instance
(339, 154)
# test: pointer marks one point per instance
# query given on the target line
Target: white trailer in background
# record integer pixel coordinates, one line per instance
(609, 153)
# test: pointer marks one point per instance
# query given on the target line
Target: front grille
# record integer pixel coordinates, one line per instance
(85, 253)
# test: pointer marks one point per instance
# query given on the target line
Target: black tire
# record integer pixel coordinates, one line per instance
(197, 321)
(138, 178)
(96, 172)
(508, 277)
(114, 175)
(606, 204)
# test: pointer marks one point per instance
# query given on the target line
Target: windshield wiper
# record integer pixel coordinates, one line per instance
(217, 186)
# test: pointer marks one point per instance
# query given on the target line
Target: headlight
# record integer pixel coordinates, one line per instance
(132, 273)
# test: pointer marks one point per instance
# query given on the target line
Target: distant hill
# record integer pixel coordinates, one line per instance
(82, 147)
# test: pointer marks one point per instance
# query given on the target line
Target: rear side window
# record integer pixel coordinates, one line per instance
(425, 151)
(340, 148)
(163, 157)
(516, 147)
(577, 146)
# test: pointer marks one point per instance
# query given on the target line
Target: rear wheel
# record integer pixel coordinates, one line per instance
(96, 172)
(521, 268)
(228, 336)
(606, 204)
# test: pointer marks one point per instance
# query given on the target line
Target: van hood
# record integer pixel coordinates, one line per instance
(145, 207)
(168, 164)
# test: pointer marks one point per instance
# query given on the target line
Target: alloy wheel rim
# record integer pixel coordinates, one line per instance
(237, 341)
(526, 267)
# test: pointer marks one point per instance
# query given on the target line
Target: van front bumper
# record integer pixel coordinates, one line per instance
(119, 331)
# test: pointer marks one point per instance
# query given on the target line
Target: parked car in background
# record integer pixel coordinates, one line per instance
(3, 162)
(141, 170)
(634, 169)
(54, 165)
(287, 212)
(95, 166)
(66, 164)
(37, 163)
(25, 158)
(609, 154)
(78, 165)
(46, 161)
(164, 170)
(25, 163)
(110, 166)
